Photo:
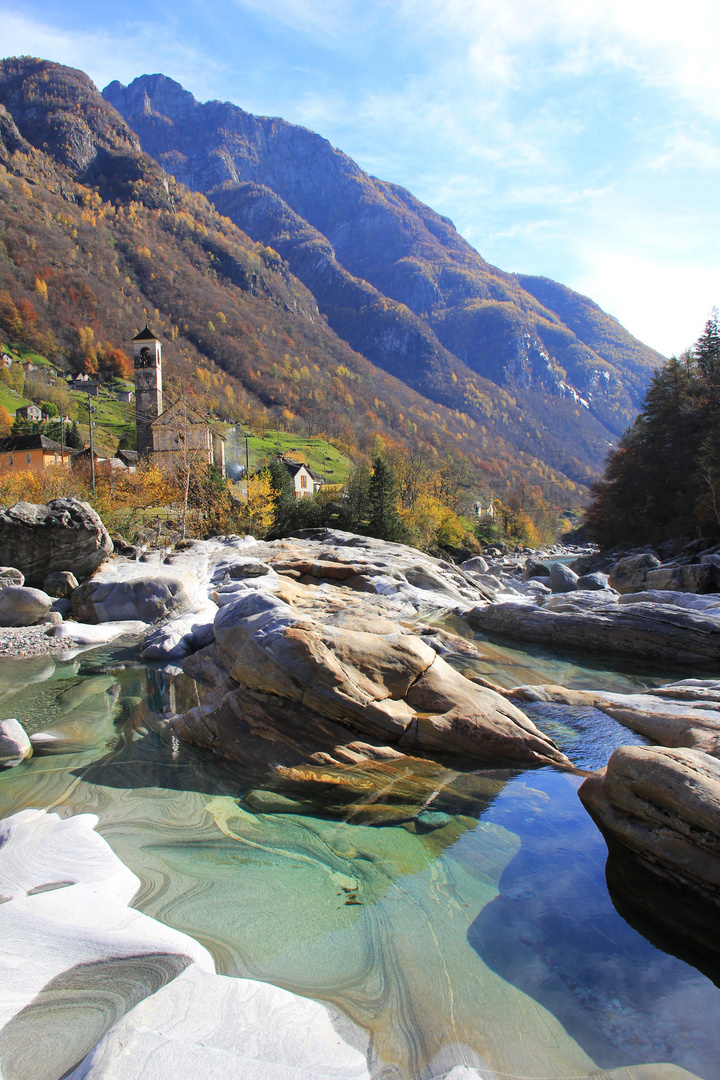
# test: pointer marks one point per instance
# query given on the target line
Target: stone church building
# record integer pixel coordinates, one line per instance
(179, 430)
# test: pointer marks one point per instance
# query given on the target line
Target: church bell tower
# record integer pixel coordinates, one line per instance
(147, 359)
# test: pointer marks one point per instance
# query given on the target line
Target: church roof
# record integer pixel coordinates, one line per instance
(146, 335)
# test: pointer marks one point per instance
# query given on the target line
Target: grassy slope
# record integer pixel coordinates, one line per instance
(324, 459)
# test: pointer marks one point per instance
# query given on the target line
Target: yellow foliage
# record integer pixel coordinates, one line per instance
(431, 524)
(260, 504)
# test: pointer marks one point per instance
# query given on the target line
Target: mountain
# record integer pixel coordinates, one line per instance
(399, 284)
(95, 238)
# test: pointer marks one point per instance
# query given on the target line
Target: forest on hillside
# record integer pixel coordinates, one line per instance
(95, 239)
(663, 481)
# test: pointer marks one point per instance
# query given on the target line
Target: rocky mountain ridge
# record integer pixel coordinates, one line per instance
(395, 279)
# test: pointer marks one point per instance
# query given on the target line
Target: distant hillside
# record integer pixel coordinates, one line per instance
(95, 238)
(399, 284)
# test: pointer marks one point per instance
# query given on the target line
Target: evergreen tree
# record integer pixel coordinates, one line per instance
(663, 481)
(384, 520)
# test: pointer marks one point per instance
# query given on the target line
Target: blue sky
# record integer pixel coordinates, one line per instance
(570, 139)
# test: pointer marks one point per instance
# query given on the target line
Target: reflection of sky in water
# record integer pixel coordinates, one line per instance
(585, 734)
(553, 932)
(488, 940)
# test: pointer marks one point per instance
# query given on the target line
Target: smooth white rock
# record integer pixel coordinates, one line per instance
(97, 633)
(210, 1027)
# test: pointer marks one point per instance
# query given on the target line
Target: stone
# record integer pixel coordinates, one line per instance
(134, 591)
(692, 578)
(476, 565)
(535, 568)
(60, 583)
(662, 805)
(179, 636)
(66, 534)
(592, 582)
(562, 578)
(97, 634)
(63, 606)
(10, 576)
(22, 606)
(299, 670)
(432, 819)
(596, 620)
(630, 574)
(15, 746)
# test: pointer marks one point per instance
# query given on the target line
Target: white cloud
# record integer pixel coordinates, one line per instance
(96, 52)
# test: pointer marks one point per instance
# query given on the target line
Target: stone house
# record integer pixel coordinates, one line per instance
(29, 412)
(31, 453)
(180, 432)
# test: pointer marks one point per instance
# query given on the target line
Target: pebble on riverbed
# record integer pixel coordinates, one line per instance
(22, 641)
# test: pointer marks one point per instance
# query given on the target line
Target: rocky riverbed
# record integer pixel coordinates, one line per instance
(324, 665)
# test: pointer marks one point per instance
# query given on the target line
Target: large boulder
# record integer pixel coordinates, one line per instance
(134, 591)
(281, 665)
(21, 606)
(630, 574)
(663, 805)
(562, 578)
(66, 534)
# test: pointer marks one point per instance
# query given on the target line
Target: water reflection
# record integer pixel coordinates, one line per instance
(554, 933)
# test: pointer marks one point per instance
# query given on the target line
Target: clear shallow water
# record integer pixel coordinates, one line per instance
(491, 940)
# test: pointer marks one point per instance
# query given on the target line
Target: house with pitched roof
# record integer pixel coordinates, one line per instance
(304, 480)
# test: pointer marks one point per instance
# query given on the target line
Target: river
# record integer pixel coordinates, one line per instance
(492, 940)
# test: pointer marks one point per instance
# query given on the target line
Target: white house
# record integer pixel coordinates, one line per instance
(485, 508)
(304, 480)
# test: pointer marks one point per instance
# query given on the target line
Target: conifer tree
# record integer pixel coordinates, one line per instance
(384, 520)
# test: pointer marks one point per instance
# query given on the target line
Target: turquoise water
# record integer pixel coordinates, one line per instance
(492, 940)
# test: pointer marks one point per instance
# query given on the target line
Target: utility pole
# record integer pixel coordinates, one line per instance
(92, 448)
(247, 458)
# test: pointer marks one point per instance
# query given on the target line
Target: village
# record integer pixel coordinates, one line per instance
(166, 434)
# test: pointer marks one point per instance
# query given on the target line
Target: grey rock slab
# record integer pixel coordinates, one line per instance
(23, 606)
(15, 745)
(664, 805)
(595, 621)
(78, 963)
(66, 534)
(218, 1028)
